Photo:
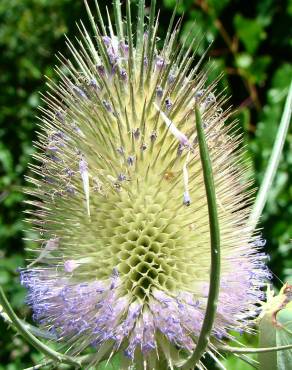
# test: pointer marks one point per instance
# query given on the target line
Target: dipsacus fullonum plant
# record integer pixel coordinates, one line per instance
(123, 248)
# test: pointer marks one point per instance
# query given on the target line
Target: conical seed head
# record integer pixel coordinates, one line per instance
(123, 257)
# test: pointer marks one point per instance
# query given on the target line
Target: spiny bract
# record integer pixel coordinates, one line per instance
(123, 245)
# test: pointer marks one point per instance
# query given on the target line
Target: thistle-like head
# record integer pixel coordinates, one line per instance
(123, 251)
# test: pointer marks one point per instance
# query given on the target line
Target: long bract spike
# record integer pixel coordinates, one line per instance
(170, 26)
(151, 24)
(130, 40)
(100, 19)
(118, 19)
(83, 168)
(140, 27)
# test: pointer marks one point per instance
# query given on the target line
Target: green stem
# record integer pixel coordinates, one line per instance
(34, 330)
(214, 284)
(273, 162)
(41, 365)
(255, 350)
(86, 359)
(22, 329)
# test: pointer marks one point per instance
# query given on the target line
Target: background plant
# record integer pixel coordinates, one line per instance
(251, 44)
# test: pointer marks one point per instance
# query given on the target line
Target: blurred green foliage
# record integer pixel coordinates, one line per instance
(251, 44)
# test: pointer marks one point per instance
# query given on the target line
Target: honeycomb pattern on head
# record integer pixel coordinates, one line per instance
(142, 237)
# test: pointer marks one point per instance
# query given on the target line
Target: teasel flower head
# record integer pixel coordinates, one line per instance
(122, 255)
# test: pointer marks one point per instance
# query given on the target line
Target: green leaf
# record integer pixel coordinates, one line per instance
(284, 337)
(182, 6)
(204, 29)
(267, 338)
(232, 362)
(275, 330)
(114, 364)
(218, 6)
(280, 84)
(258, 69)
(250, 32)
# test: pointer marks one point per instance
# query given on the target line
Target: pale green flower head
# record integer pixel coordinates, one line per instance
(123, 247)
